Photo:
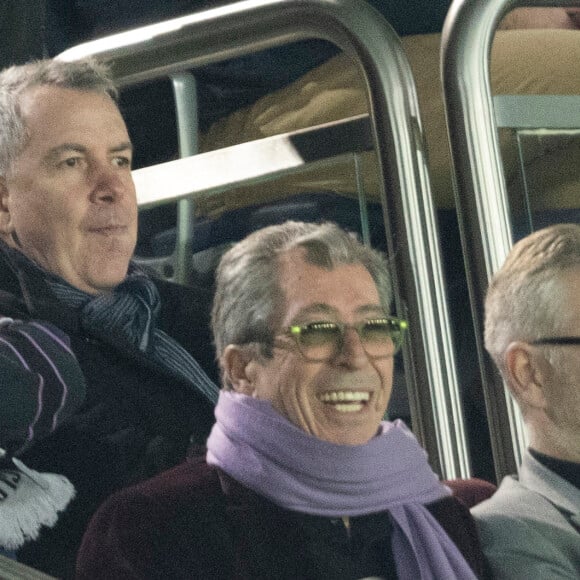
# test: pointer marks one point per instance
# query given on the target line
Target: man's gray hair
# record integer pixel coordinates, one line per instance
(248, 303)
(85, 75)
(522, 301)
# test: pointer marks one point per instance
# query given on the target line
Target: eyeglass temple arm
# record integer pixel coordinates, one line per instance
(558, 340)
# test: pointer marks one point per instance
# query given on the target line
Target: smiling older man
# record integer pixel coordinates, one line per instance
(68, 226)
(302, 478)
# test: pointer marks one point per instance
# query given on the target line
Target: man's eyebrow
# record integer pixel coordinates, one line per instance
(125, 146)
(59, 150)
(56, 152)
(318, 308)
(373, 309)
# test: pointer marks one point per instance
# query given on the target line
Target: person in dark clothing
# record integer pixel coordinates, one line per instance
(68, 225)
(302, 477)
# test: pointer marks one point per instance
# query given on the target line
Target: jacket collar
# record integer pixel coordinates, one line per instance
(555, 489)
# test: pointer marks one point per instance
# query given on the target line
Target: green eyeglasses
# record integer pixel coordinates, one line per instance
(323, 340)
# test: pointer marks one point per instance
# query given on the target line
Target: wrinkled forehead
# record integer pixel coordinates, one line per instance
(346, 289)
(43, 99)
(54, 115)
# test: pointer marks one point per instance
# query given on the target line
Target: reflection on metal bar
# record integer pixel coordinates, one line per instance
(247, 163)
(355, 27)
(526, 190)
(481, 192)
(185, 92)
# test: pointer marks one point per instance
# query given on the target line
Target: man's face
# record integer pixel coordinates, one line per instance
(343, 399)
(69, 198)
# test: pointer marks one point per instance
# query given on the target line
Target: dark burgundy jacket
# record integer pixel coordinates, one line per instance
(195, 522)
(137, 418)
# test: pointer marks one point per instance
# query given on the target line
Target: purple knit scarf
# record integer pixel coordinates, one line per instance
(262, 450)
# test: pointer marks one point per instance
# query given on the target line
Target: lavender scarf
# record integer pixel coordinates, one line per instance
(259, 448)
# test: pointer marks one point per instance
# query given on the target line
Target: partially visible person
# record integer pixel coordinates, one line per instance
(531, 527)
(33, 405)
(68, 225)
(302, 477)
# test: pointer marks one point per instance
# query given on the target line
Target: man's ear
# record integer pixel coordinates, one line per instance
(526, 373)
(235, 360)
(6, 225)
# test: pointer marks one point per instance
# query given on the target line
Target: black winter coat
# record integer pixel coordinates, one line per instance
(137, 419)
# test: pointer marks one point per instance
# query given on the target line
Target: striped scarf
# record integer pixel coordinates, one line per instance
(42, 383)
(128, 316)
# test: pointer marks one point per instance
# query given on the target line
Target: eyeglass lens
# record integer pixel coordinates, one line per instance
(323, 340)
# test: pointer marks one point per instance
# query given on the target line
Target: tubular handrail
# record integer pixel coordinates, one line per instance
(480, 188)
(266, 158)
(355, 27)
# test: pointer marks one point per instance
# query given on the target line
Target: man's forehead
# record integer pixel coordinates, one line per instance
(296, 260)
(329, 311)
(42, 98)
(310, 289)
(57, 117)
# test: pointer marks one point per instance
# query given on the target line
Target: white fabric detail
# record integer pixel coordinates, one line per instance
(30, 500)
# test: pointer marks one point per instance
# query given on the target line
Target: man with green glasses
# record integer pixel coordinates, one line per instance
(531, 527)
(302, 477)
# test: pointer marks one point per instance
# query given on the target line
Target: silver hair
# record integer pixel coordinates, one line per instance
(248, 303)
(523, 299)
(86, 75)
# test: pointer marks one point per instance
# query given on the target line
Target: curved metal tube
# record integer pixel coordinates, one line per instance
(481, 192)
(252, 25)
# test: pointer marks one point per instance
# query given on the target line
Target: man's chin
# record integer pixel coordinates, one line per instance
(104, 280)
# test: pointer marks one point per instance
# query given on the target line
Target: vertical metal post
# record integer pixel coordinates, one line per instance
(186, 105)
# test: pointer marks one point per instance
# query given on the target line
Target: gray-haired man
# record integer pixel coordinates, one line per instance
(68, 226)
(531, 527)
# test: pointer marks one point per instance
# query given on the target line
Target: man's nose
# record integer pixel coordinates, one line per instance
(109, 184)
(352, 353)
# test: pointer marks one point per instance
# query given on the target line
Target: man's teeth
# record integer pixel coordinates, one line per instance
(348, 407)
(350, 396)
(345, 401)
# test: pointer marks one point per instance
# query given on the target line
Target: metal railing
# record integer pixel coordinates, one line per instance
(481, 192)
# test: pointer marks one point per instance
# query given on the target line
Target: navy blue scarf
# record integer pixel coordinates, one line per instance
(128, 314)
